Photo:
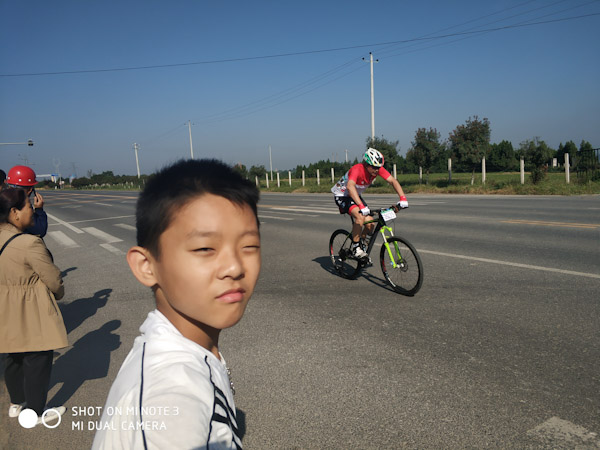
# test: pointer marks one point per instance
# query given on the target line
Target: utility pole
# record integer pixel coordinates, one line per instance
(270, 163)
(372, 98)
(137, 162)
(346, 155)
(191, 148)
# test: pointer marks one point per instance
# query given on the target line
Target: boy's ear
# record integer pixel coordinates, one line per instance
(141, 264)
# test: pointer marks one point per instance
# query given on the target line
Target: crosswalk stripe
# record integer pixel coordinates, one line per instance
(63, 239)
(112, 249)
(102, 235)
(125, 226)
(68, 225)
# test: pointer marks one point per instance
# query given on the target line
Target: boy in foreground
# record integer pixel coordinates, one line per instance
(199, 251)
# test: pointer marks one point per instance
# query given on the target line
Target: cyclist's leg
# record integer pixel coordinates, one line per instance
(358, 222)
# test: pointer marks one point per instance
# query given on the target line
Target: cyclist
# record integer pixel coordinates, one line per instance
(24, 177)
(348, 190)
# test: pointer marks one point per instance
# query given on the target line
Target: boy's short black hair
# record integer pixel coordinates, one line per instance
(173, 186)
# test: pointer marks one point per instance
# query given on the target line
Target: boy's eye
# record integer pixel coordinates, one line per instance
(203, 249)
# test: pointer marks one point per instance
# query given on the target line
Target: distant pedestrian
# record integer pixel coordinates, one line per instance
(199, 250)
(24, 177)
(31, 325)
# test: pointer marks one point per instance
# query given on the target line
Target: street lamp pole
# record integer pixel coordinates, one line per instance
(372, 98)
(191, 148)
(137, 162)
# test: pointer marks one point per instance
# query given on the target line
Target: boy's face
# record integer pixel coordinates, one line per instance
(209, 264)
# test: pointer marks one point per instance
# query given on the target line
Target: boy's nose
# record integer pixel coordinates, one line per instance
(231, 266)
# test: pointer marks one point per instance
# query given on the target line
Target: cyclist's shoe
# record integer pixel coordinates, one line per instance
(358, 252)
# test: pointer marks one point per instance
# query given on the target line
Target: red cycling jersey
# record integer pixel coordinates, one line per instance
(358, 173)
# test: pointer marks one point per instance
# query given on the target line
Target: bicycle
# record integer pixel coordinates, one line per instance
(400, 263)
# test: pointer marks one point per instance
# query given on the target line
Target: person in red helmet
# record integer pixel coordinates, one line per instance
(24, 177)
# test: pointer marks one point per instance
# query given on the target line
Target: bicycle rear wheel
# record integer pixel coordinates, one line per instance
(401, 266)
(339, 250)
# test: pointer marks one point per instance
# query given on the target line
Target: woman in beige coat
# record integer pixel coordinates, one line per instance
(31, 325)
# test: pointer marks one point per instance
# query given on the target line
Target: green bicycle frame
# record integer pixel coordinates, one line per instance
(383, 229)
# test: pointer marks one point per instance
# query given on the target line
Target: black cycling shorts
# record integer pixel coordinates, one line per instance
(345, 203)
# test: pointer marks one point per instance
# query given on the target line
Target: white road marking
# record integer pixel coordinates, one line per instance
(102, 204)
(68, 225)
(507, 263)
(103, 218)
(112, 249)
(63, 239)
(125, 226)
(102, 235)
(71, 207)
(557, 433)
(312, 210)
(260, 216)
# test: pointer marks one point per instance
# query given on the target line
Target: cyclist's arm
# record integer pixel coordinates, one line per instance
(395, 185)
(353, 192)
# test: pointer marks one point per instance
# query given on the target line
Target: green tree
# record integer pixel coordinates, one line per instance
(470, 143)
(426, 149)
(569, 148)
(536, 154)
(502, 157)
(241, 169)
(257, 171)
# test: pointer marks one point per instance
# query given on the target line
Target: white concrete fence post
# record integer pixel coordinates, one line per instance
(318, 178)
(290, 177)
(483, 170)
(256, 180)
(303, 179)
(522, 170)
(278, 184)
(449, 170)
(395, 172)
(567, 167)
(332, 175)
(267, 178)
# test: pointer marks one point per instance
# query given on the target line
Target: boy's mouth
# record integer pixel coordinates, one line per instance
(232, 296)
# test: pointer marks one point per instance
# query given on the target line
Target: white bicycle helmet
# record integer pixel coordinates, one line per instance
(373, 158)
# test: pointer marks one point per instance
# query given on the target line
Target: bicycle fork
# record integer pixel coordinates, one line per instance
(398, 255)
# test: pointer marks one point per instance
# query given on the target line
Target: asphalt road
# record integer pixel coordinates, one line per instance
(499, 349)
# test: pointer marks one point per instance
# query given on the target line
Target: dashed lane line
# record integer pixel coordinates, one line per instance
(102, 204)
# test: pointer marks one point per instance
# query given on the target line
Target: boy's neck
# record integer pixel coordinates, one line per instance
(191, 329)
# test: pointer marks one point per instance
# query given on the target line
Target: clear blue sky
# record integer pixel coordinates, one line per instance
(58, 86)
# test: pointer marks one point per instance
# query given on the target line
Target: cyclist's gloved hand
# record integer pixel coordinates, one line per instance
(364, 210)
(403, 203)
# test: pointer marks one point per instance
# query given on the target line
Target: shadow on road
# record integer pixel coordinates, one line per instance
(65, 272)
(75, 313)
(88, 359)
(325, 262)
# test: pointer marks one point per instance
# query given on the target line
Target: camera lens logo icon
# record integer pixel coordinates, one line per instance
(29, 419)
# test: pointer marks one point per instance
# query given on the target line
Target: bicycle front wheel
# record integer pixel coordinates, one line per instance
(401, 266)
(339, 250)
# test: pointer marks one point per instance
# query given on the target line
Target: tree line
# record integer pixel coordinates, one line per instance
(466, 146)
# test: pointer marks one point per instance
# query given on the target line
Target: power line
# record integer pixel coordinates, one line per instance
(308, 52)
